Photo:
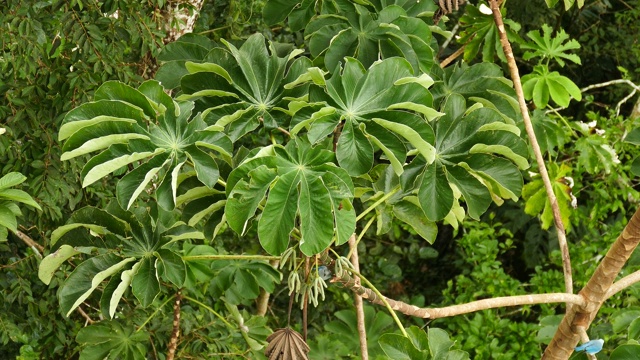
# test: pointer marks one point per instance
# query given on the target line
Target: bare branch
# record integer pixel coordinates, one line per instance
(515, 76)
(88, 319)
(30, 242)
(435, 313)
(609, 83)
(623, 283)
(452, 57)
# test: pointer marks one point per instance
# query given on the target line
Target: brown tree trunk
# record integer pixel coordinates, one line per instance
(594, 293)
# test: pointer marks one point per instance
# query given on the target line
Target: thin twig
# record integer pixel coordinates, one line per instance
(362, 331)
(30, 242)
(229, 257)
(452, 57)
(453, 35)
(515, 76)
(624, 100)
(85, 316)
(609, 83)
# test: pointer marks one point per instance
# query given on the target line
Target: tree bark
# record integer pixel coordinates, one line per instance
(594, 293)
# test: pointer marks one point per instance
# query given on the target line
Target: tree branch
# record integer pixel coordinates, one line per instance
(515, 76)
(362, 331)
(623, 283)
(262, 303)
(434, 313)
(30, 242)
(175, 333)
(598, 288)
(452, 57)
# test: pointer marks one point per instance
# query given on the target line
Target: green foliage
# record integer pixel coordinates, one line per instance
(287, 150)
(146, 253)
(9, 210)
(369, 36)
(243, 88)
(480, 30)
(543, 84)
(342, 329)
(145, 126)
(537, 202)
(548, 48)
(111, 340)
(433, 344)
(323, 199)
(549, 132)
(567, 3)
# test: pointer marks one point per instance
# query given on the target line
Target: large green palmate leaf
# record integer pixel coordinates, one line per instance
(546, 47)
(141, 251)
(479, 29)
(242, 88)
(376, 108)
(542, 84)
(302, 182)
(482, 83)
(111, 340)
(369, 37)
(143, 126)
(478, 157)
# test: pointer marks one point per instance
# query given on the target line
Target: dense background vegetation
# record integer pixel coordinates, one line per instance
(55, 55)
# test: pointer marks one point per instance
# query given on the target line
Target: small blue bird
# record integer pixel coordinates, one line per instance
(323, 272)
(591, 347)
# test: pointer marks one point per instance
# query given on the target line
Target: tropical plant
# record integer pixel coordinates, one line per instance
(248, 155)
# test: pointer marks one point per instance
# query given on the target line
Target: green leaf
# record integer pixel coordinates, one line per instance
(435, 194)
(409, 212)
(316, 221)
(145, 285)
(109, 339)
(244, 199)
(483, 82)
(11, 179)
(542, 84)
(370, 36)
(279, 213)
(8, 219)
(174, 269)
(427, 150)
(125, 281)
(625, 352)
(19, 196)
(86, 278)
(52, 262)
(547, 47)
(354, 151)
